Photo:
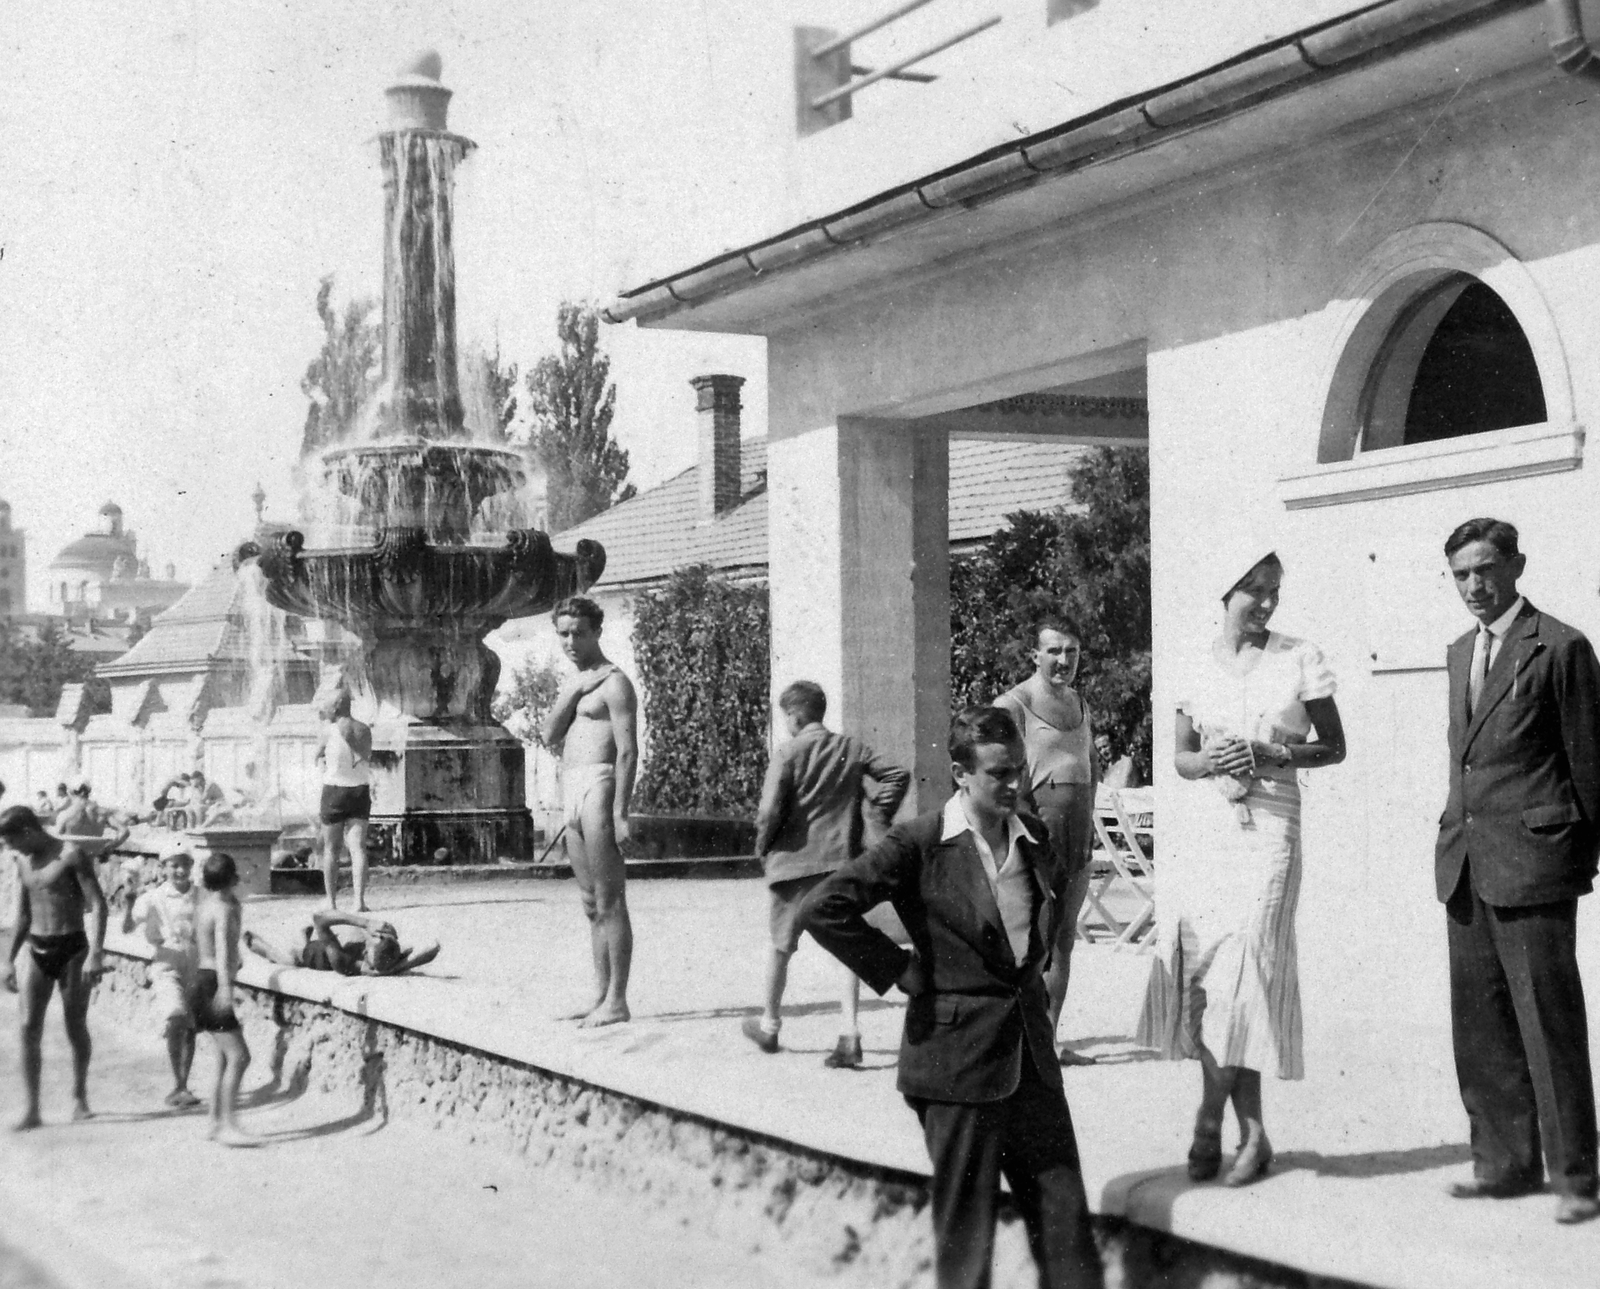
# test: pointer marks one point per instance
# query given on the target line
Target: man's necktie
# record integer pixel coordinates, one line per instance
(1480, 669)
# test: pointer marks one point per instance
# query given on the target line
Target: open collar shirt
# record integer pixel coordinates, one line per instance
(1010, 881)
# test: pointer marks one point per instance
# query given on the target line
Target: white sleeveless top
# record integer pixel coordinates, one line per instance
(341, 768)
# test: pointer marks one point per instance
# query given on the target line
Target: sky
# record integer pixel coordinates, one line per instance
(180, 176)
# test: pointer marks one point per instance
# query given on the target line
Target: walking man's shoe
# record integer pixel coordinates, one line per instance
(846, 1054)
(751, 1026)
(1572, 1209)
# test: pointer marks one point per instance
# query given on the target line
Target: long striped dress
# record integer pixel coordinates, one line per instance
(1226, 971)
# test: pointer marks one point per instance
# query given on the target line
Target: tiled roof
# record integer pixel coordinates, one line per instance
(203, 627)
(648, 536)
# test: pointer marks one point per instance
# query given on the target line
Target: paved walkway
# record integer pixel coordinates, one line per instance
(136, 1198)
(1367, 1141)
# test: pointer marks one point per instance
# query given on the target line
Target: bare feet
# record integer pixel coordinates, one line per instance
(28, 1121)
(235, 1137)
(182, 1099)
(605, 1014)
(80, 1110)
(585, 1012)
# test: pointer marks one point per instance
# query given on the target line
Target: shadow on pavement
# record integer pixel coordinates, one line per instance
(751, 1009)
(1376, 1163)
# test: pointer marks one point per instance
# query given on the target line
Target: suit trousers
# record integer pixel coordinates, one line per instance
(1028, 1137)
(1521, 1040)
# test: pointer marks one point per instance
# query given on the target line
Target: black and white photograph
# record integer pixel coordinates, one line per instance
(821, 644)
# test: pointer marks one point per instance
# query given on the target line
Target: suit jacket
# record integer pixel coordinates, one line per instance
(1524, 804)
(964, 1038)
(810, 819)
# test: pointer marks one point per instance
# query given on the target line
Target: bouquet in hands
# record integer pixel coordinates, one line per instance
(1234, 784)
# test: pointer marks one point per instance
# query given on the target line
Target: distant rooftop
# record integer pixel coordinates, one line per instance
(657, 531)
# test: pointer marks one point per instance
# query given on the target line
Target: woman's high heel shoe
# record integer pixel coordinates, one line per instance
(1251, 1163)
(1205, 1154)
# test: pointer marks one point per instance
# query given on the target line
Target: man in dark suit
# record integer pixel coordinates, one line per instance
(1517, 846)
(971, 882)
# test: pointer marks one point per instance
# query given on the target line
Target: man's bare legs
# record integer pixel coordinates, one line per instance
(34, 988)
(332, 835)
(850, 1003)
(348, 835)
(259, 945)
(602, 879)
(777, 978)
(355, 841)
(233, 1058)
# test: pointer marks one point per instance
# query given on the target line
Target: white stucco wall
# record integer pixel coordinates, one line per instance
(1232, 288)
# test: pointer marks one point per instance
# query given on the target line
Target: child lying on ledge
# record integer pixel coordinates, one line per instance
(376, 951)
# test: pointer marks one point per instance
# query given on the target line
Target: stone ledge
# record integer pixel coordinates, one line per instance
(844, 1219)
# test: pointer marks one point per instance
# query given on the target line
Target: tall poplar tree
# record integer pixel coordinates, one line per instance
(339, 378)
(571, 401)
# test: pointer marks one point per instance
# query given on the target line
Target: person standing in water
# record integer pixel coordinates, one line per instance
(345, 755)
(594, 723)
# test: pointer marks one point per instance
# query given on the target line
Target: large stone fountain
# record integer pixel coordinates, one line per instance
(420, 565)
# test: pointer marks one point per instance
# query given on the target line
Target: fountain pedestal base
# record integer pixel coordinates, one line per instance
(447, 794)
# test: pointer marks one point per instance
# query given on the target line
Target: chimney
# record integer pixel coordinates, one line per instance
(717, 402)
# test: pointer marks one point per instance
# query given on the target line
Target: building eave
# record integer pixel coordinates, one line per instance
(708, 295)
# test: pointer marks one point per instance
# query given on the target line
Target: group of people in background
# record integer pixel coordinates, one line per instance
(988, 888)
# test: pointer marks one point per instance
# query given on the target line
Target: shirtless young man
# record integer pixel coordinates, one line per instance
(345, 758)
(55, 887)
(594, 722)
(374, 951)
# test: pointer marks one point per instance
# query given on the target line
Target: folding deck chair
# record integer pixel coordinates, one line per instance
(1124, 821)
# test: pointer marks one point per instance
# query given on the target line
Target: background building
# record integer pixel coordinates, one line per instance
(13, 566)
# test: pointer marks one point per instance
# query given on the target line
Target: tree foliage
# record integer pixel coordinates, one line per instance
(523, 705)
(1093, 565)
(571, 401)
(701, 647)
(348, 368)
(33, 670)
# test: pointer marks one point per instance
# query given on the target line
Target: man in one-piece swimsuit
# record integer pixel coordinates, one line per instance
(1060, 786)
(56, 886)
(594, 722)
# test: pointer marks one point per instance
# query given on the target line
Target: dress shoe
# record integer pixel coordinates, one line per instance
(1205, 1154)
(751, 1026)
(846, 1054)
(1066, 1056)
(1572, 1209)
(1251, 1163)
(1484, 1188)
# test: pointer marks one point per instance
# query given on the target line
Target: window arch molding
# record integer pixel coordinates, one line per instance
(1364, 313)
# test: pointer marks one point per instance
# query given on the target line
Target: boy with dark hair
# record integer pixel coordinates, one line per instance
(809, 822)
(972, 883)
(594, 723)
(56, 886)
(217, 938)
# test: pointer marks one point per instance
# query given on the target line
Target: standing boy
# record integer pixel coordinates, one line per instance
(978, 1064)
(55, 887)
(594, 723)
(809, 822)
(217, 938)
(166, 916)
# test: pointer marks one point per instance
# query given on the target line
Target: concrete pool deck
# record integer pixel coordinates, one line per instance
(1367, 1142)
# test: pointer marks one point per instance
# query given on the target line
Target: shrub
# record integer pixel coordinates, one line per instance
(1093, 564)
(701, 646)
(524, 704)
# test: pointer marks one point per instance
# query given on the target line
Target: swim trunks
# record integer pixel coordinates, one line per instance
(317, 956)
(345, 804)
(53, 954)
(208, 1017)
(578, 784)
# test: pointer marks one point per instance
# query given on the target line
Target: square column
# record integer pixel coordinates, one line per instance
(859, 573)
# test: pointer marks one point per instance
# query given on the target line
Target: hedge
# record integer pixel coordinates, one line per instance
(701, 647)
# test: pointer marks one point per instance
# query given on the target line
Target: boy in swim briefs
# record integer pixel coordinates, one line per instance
(216, 932)
(56, 887)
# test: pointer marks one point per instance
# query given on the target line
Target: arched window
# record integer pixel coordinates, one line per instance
(1455, 362)
(1444, 366)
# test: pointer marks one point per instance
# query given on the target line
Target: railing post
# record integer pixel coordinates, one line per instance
(814, 77)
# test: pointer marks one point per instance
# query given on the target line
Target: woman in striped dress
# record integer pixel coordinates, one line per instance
(1225, 987)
